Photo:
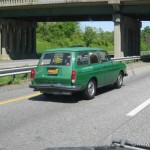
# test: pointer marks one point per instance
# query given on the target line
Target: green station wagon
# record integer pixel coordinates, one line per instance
(69, 70)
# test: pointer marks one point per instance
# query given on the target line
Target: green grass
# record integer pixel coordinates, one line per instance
(42, 46)
(17, 79)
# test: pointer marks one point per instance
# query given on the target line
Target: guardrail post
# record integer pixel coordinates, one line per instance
(14, 76)
(27, 77)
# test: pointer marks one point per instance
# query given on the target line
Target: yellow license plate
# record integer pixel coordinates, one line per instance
(52, 71)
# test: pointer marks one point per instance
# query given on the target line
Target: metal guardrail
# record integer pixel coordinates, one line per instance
(25, 70)
(129, 58)
(15, 71)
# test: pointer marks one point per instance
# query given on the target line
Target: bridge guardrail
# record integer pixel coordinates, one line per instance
(25, 70)
(35, 2)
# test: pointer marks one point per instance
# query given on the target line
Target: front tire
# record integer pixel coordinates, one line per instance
(119, 81)
(89, 92)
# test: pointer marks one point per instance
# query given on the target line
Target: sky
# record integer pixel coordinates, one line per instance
(106, 25)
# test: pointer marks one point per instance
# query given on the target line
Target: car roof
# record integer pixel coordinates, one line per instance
(75, 49)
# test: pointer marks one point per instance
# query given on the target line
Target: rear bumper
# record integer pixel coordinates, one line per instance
(43, 87)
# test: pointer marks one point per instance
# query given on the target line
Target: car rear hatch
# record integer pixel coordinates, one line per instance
(54, 68)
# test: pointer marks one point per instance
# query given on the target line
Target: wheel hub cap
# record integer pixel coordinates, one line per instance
(91, 88)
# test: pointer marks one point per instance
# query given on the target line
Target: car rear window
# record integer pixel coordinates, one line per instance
(56, 59)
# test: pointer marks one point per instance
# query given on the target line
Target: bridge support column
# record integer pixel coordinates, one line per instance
(34, 40)
(126, 36)
(4, 42)
(16, 39)
(23, 41)
(11, 39)
(29, 41)
(0, 41)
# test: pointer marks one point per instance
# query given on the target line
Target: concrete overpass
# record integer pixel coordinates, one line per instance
(18, 22)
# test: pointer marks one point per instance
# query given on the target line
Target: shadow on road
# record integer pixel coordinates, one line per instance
(58, 98)
(75, 98)
(105, 89)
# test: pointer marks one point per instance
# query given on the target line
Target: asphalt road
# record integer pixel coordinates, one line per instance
(18, 63)
(29, 121)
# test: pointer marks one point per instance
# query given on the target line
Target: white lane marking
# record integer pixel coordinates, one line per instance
(139, 108)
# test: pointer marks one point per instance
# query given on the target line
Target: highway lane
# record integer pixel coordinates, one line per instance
(18, 63)
(37, 122)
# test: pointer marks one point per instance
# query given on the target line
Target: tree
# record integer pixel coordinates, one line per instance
(89, 35)
(145, 38)
(56, 34)
(67, 34)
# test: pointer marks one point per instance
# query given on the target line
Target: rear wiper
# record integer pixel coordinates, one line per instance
(129, 145)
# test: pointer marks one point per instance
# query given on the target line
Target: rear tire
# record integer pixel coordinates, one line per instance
(119, 81)
(89, 92)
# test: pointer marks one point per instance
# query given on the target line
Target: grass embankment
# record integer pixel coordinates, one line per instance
(18, 79)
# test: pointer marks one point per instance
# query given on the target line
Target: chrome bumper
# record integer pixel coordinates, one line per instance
(55, 86)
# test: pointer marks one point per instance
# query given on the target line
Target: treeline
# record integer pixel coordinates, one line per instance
(67, 34)
(145, 39)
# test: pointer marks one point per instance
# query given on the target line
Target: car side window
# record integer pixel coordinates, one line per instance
(94, 57)
(104, 56)
(82, 58)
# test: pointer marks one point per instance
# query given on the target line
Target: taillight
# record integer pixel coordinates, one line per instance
(32, 74)
(73, 76)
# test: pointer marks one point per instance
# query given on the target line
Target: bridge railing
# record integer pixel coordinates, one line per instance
(15, 2)
(34, 2)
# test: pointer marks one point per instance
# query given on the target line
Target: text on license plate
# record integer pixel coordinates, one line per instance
(52, 71)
